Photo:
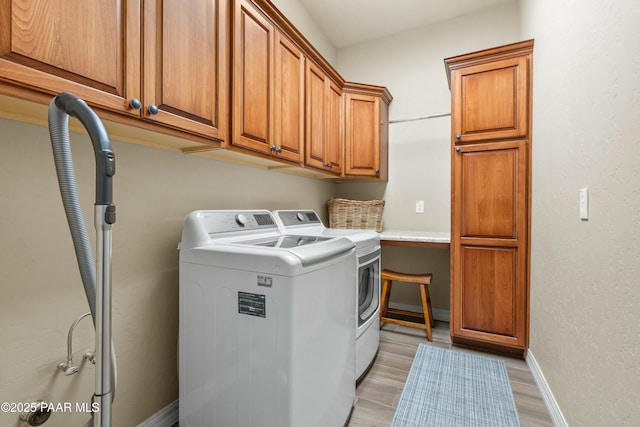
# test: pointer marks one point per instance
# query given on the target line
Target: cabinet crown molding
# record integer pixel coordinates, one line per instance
(367, 89)
(487, 55)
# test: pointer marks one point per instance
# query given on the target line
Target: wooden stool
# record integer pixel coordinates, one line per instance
(423, 280)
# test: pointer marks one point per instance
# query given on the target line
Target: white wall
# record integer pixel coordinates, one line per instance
(299, 16)
(41, 293)
(585, 295)
(411, 66)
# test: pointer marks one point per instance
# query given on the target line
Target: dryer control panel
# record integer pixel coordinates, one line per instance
(298, 218)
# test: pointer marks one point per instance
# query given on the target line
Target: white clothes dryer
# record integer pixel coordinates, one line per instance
(367, 281)
(266, 327)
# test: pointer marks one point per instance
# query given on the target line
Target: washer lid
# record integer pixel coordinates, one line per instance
(286, 241)
(308, 250)
(275, 260)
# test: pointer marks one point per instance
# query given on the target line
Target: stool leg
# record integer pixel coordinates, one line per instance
(384, 303)
(425, 309)
(431, 320)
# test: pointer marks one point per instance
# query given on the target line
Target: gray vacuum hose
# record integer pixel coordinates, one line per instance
(59, 133)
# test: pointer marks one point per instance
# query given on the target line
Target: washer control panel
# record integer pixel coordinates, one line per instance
(228, 221)
(242, 220)
(203, 225)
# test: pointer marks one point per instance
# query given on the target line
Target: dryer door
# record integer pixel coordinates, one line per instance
(368, 286)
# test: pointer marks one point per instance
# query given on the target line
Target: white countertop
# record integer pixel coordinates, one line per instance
(416, 236)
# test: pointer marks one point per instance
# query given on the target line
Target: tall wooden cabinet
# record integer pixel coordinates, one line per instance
(491, 192)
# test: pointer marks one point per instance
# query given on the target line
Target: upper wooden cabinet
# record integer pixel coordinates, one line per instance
(490, 100)
(366, 137)
(334, 125)
(324, 142)
(185, 65)
(491, 193)
(92, 49)
(268, 87)
(230, 73)
(253, 57)
(289, 109)
(89, 48)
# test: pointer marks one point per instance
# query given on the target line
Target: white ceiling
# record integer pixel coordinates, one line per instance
(348, 22)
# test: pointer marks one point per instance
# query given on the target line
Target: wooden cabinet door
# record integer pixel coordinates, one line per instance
(253, 79)
(89, 48)
(490, 243)
(185, 79)
(324, 141)
(315, 122)
(490, 100)
(289, 99)
(334, 128)
(362, 139)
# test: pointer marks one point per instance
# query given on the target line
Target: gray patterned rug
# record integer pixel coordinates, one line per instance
(450, 388)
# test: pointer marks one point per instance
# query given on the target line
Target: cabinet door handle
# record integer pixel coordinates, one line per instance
(377, 171)
(135, 103)
(153, 109)
(329, 165)
(272, 148)
(457, 149)
(278, 150)
(458, 137)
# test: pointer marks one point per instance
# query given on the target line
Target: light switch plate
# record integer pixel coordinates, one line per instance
(419, 206)
(584, 204)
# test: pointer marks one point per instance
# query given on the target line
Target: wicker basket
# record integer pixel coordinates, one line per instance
(356, 214)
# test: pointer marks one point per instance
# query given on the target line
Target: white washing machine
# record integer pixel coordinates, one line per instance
(266, 325)
(367, 281)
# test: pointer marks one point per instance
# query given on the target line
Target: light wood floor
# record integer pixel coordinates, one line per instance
(379, 392)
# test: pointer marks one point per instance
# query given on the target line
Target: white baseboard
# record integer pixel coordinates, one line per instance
(545, 390)
(165, 417)
(441, 315)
